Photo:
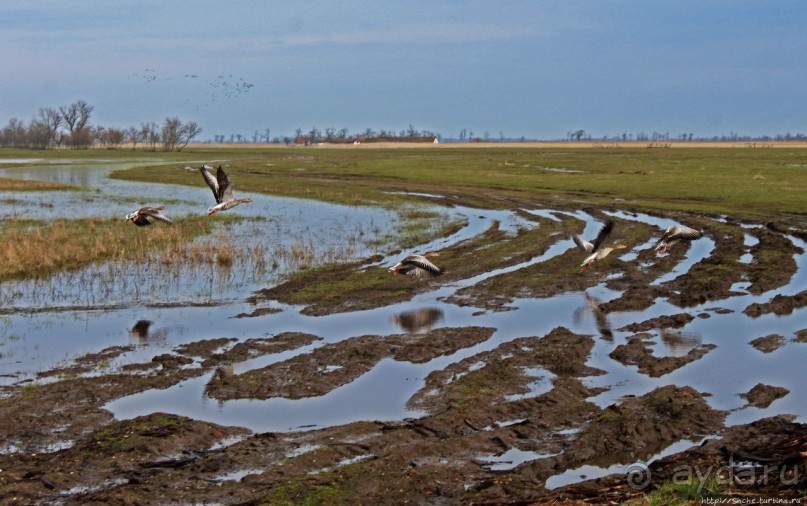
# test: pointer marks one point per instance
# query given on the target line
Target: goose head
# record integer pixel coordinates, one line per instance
(131, 216)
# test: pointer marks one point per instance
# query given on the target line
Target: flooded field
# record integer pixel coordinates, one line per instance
(512, 375)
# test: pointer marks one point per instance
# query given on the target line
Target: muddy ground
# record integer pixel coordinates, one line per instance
(60, 446)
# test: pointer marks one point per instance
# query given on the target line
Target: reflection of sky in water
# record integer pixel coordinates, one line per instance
(30, 342)
(276, 224)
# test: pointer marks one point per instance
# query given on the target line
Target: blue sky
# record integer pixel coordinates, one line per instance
(515, 68)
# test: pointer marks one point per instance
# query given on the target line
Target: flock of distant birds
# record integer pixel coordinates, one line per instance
(220, 87)
(416, 264)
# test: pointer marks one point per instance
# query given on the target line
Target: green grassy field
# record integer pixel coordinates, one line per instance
(743, 181)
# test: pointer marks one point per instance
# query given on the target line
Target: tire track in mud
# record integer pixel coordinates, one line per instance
(469, 399)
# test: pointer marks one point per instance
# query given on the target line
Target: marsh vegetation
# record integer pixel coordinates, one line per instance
(278, 340)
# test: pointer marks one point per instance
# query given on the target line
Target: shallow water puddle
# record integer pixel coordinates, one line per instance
(511, 459)
(37, 341)
(588, 472)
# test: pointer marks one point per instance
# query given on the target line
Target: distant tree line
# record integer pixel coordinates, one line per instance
(69, 126)
(582, 135)
(327, 135)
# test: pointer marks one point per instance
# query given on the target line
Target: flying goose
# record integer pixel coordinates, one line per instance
(142, 215)
(596, 250)
(417, 265)
(676, 234)
(222, 190)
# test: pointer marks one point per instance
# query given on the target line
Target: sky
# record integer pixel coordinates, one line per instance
(508, 68)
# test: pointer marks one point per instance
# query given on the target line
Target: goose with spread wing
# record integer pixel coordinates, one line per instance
(417, 265)
(596, 250)
(222, 190)
(142, 215)
(674, 235)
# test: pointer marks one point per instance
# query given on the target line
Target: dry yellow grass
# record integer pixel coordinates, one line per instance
(7, 184)
(33, 249)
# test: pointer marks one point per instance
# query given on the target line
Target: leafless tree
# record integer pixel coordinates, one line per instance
(170, 133)
(187, 133)
(51, 118)
(13, 134)
(149, 132)
(77, 117)
(37, 135)
(113, 138)
(133, 136)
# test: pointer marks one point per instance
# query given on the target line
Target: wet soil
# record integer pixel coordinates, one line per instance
(779, 305)
(637, 352)
(761, 396)
(748, 463)
(769, 343)
(63, 447)
(495, 425)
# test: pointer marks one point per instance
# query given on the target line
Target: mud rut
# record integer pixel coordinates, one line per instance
(500, 414)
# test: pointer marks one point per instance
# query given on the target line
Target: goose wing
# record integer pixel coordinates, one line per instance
(604, 231)
(419, 262)
(211, 182)
(141, 221)
(687, 233)
(225, 185)
(582, 243)
(155, 213)
(678, 232)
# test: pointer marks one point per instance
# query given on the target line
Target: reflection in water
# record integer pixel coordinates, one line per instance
(419, 320)
(141, 329)
(274, 236)
(679, 343)
(143, 333)
(592, 307)
(33, 341)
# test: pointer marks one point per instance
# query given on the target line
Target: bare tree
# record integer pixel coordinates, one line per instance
(113, 138)
(13, 134)
(37, 135)
(52, 119)
(187, 133)
(171, 133)
(133, 136)
(77, 116)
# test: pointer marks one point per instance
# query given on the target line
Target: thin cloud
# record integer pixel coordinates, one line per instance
(425, 33)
